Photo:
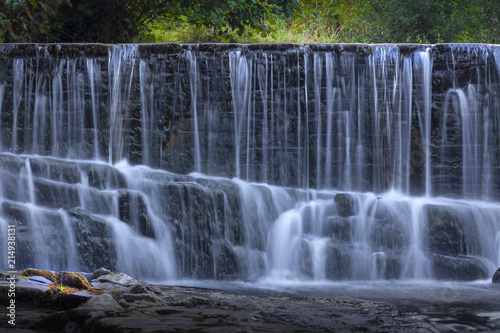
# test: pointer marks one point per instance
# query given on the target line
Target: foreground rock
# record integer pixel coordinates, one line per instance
(119, 303)
(125, 304)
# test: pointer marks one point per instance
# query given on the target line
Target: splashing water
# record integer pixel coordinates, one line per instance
(349, 162)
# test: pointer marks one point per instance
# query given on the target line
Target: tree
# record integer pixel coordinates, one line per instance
(26, 21)
(118, 21)
(404, 21)
(437, 21)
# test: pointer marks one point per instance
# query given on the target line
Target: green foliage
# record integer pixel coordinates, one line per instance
(29, 20)
(250, 21)
(421, 20)
(229, 21)
(178, 33)
(397, 21)
(117, 21)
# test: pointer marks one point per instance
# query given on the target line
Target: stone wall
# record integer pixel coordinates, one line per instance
(276, 115)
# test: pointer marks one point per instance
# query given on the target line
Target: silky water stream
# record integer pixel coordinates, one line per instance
(361, 169)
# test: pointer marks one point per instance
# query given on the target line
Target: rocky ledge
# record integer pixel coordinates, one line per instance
(115, 302)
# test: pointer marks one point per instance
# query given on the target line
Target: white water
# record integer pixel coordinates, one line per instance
(281, 233)
(298, 142)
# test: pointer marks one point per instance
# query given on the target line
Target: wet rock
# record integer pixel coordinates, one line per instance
(116, 278)
(458, 268)
(104, 302)
(27, 292)
(73, 280)
(164, 311)
(392, 266)
(133, 211)
(36, 294)
(200, 309)
(52, 194)
(388, 231)
(55, 322)
(57, 170)
(345, 204)
(496, 277)
(446, 231)
(338, 227)
(141, 298)
(138, 289)
(86, 275)
(226, 262)
(94, 240)
(338, 261)
(102, 176)
(195, 243)
(40, 279)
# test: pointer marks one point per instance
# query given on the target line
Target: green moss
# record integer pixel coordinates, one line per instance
(72, 280)
(38, 272)
(117, 294)
(100, 272)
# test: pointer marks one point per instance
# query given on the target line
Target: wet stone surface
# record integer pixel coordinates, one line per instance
(120, 303)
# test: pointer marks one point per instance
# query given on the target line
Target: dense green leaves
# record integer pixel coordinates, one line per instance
(365, 21)
(403, 21)
(115, 21)
(437, 20)
(28, 20)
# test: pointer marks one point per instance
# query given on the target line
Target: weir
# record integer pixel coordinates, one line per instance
(224, 161)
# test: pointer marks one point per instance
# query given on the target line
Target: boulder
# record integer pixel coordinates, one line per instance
(117, 278)
(496, 277)
(99, 272)
(72, 280)
(458, 268)
(446, 230)
(29, 272)
(104, 302)
(138, 289)
(39, 279)
(345, 204)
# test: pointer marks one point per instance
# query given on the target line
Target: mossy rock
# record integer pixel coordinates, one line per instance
(99, 272)
(49, 275)
(73, 280)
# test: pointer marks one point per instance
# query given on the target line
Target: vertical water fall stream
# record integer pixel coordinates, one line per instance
(242, 162)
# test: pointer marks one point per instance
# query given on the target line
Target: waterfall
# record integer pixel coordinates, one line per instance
(424, 68)
(121, 70)
(240, 91)
(316, 162)
(193, 84)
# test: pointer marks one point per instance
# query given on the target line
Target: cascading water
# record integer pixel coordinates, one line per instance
(351, 162)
